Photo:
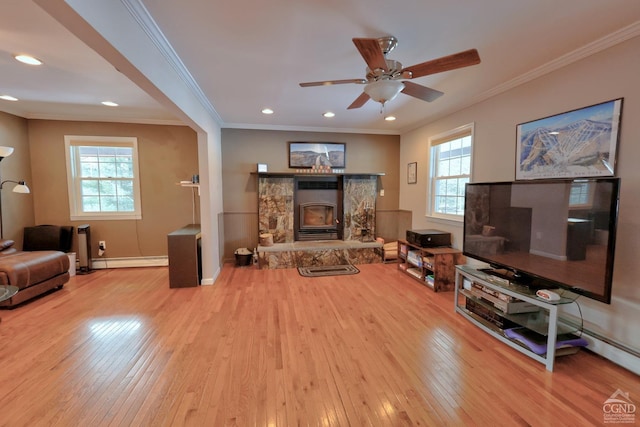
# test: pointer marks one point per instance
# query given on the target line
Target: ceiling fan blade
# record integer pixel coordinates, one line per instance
(446, 63)
(359, 102)
(421, 92)
(333, 82)
(372, 53)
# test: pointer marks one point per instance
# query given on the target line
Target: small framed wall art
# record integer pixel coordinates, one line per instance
(576, 144)
(412, 173)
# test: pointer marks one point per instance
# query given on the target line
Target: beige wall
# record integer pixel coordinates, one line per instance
(167, 155)
(17, 209)
(242, 149)
(607, 75)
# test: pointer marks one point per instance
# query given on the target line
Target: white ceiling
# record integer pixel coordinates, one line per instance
(246, 55)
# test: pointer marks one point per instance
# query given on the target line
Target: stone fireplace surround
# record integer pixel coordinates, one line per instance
(277, 211)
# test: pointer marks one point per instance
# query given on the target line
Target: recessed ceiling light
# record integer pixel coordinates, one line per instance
(267, 111)
(26, 59)
(390, 118)
(8, 98)
(329, 114)
(109, 104)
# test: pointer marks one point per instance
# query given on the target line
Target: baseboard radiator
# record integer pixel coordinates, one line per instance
(151, 261)
(610, 349)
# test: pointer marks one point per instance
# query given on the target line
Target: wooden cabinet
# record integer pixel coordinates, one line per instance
(434, 267)
(185, 267)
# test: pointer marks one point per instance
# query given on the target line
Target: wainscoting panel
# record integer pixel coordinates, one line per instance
(240, 231)
(393, 224)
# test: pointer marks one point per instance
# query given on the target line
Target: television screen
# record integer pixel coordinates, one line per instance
(548, 233)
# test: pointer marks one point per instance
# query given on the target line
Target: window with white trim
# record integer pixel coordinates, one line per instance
(103, 177)
(451, 159)
(581, 195)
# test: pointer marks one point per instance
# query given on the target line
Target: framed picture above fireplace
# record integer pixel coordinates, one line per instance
(310, 154)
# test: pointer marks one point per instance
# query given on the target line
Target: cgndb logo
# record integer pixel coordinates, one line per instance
(619, 408)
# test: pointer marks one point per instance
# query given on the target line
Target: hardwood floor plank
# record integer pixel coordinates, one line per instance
(272, 348)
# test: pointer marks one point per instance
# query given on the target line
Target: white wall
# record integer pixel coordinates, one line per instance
(606, 75)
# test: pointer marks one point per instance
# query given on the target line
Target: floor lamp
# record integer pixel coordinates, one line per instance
(20, 186)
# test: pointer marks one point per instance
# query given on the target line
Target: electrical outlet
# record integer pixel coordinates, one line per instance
(102, 245)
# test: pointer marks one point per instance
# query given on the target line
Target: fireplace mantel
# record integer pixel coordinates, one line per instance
(293, 174)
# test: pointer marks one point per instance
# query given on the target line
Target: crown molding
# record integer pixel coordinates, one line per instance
(102, 119)
(610, 40)
(585, 51)
(149, 26)
(250, 126)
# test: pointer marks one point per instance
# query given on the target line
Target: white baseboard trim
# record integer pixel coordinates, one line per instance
(151, 261)
(210, 280)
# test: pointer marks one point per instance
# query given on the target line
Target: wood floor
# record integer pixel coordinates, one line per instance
(272, 348)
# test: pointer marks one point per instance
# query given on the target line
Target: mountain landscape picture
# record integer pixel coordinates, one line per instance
(575, 144)
(307, 154)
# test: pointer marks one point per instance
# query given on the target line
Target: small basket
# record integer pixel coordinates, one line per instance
(243, 257)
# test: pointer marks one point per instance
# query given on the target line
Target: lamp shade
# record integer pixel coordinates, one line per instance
(21, 188)
(383, 90)
(5, 151)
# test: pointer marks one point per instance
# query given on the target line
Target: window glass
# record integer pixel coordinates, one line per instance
(451, 155)
(102, 177)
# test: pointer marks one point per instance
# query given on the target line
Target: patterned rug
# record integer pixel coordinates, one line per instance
(327, 270)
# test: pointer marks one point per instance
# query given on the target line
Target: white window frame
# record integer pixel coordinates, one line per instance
(434, 141)
(73, 182)
(585, 202)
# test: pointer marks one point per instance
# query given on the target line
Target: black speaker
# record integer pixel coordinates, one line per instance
(84, 249)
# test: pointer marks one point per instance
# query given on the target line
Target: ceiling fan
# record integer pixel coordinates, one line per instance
(383, 75)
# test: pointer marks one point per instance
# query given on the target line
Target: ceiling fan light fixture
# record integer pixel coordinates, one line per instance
(383, 91)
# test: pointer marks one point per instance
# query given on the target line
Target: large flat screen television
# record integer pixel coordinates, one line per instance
(546, 233)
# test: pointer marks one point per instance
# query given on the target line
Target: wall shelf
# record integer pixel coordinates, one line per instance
(189, 184)
(317, 174)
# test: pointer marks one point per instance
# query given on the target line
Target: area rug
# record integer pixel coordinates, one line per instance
(327, 270)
